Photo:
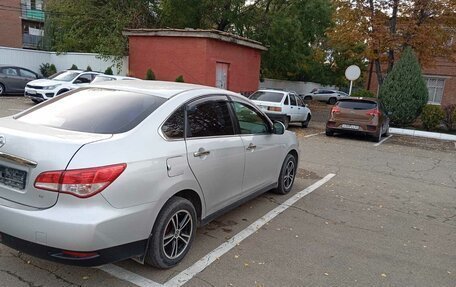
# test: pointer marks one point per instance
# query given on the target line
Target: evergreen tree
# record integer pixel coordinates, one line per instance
(108, 71)
(74, 67)
(89, 68)
(180, 79)
(404, 91)
(150, 75)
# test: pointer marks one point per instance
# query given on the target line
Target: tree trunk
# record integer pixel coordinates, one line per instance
(392, 26)
(378, 67)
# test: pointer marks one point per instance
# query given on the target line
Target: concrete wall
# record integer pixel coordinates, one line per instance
(296, 86)
(32, 59)
(195, 59)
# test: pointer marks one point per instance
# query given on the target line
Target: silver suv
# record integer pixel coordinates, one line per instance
(129, 169)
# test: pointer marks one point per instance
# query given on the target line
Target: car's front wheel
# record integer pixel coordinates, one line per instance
(287, 175)
(2, 90)
(173, 233)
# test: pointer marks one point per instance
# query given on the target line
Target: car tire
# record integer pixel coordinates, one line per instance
(287, 175)
(287, 122)
(161, 252)
(329, 133)
(378, 137)
(307, 98)
(332, 101)
(2, 90)
(305, 124)
(61, 92)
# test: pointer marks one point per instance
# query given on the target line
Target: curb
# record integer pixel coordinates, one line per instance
(415, 133)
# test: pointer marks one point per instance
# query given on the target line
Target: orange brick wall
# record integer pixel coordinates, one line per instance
(11, 24)
(195, 59)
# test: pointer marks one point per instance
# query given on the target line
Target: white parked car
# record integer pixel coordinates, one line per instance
(326, 95)
(105, 78)
(126, 169)
(284, 106)
(61, 82)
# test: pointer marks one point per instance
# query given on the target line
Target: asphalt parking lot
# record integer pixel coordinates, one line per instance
(386, 218)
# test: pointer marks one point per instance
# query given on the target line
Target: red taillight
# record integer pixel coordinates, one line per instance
(80, 182)
(373, 112)
(275, 109)
(335, 110)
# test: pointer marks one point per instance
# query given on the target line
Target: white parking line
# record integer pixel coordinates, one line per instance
(15, 110)
(383, 140)
(204, 262)
(312, 135)
(128, 276)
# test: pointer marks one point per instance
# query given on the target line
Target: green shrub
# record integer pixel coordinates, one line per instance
(47, 70)
(363, 93)
(88, 68)
(180, 79)
(404, 91)
(108, 71)
(449, 119)
(431, 117)
(74, 67)
(150, 75)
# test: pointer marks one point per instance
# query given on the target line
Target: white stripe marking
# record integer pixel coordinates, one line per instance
(15, 110)
(128, 276)
(204, 262)
(383, 140)
(312, 135)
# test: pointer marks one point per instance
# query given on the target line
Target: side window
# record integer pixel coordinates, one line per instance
(292, 100)
(9, 71)
(286, 100)
(209, 118)
(83, 79)
(27, 74)
(250, 122)
(174, 126)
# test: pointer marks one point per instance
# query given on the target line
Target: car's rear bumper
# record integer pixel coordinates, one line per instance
(97, 258)
(350, 127)
(75, 225)
(276, 116)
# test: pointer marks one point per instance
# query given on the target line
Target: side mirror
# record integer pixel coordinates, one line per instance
(278, 128)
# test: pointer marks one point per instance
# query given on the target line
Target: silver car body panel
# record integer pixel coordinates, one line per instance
(157, 169)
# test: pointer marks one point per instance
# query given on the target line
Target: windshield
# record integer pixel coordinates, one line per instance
(65, 76)
(99, 79)
(267, 97)
(94, 110)
(357, 105)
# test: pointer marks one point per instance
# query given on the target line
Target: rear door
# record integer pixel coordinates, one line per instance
(294, 112)
(263, 155)
(27, 76)
(215, 154)
(13, 80)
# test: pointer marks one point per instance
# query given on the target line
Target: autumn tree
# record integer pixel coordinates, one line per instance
(388, 26)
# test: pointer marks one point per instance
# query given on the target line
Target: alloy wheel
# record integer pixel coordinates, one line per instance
(289, 174)
(177, 235)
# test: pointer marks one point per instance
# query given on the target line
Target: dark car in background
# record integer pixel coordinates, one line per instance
(13, 79)
(359, 115)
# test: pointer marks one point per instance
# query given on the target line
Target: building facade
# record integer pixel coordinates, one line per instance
(440, 78)
(206, 57)
(22, 23)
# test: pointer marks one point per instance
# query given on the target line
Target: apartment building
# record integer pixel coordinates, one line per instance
(22, 23)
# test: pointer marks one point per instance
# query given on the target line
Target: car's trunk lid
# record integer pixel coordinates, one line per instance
(26, 150)
(354, 111)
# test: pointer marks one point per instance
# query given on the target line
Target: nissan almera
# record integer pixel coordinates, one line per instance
(130, 169)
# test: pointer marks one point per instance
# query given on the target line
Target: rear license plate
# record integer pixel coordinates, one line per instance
(13, 177)
(351, 127)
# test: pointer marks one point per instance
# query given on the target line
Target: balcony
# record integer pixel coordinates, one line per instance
(32, 14)
(31, 41)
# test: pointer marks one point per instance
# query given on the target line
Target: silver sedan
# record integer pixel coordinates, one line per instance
(129, 169)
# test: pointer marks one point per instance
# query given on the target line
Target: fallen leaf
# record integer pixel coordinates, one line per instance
(326, 274)
(383, 275)
(236, 256)
(85, 277)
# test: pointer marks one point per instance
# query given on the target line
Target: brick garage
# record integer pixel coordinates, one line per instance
(206, 57)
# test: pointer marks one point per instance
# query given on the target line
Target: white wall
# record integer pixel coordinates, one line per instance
(32, 59)
(298, 87)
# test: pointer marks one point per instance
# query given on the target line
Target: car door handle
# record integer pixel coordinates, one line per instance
(201, 152)
(251, 146)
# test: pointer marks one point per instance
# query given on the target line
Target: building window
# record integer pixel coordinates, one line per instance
(435, 87)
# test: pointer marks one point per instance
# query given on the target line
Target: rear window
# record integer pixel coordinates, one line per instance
(357, 105)
(267, 97)
(94, 110)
